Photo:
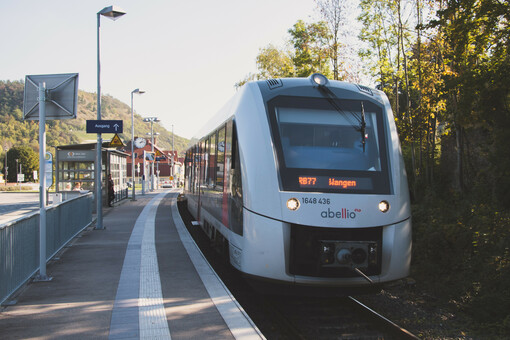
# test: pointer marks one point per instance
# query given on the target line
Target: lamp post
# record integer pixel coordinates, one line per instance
(6, 168)
(172, 168)
(152, 139)
(152, 120)
(17, 173)
(133, 142)
(111, 12)
(20, 174)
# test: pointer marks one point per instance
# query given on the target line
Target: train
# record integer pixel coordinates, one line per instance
(301, 181)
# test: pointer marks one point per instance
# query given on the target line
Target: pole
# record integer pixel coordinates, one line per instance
(132, 149)
(42, 184)
(5, 166)
(172, 162)
(144, 175)
(153, 155)
(97, 180)
(137, 172)
(20, 172)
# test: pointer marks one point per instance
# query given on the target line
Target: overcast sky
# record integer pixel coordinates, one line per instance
(187, 55)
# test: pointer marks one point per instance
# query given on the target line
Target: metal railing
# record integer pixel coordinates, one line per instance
(19, 240)
(121, 194)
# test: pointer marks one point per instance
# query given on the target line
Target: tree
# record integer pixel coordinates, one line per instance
(476, 35)
(27, 158)
(311, 53)
(381, 35)
(335, 14)
(428, 92)
(274, 63)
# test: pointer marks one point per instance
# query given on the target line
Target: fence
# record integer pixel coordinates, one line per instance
(121, 194)
(19, 240)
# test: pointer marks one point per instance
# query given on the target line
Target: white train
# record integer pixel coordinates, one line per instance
(302, 180)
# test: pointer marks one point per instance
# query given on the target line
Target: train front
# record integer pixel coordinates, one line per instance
(326, 200)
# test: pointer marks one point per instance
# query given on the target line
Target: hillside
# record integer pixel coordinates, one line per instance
(15, 131)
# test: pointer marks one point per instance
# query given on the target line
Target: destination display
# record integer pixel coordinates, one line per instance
(328, 182)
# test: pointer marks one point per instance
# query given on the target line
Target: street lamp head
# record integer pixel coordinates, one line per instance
(112, 12)
(138, 91)
(151, 119)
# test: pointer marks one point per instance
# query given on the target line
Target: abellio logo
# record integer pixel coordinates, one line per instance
(342, 214)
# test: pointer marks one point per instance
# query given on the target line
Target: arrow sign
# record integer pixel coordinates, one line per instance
(104, 126)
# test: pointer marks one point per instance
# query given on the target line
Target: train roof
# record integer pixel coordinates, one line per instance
(271, 88)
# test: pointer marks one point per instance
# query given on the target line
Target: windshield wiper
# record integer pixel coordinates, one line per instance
(363, 126)
(330, 96)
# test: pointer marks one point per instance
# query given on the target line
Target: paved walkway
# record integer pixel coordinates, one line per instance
(140, 278)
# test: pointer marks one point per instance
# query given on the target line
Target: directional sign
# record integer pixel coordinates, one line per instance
(104, 126)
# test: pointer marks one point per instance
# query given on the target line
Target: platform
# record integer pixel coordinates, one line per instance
(142, 277)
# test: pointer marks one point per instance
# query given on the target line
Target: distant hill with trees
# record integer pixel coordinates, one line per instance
(14, 131)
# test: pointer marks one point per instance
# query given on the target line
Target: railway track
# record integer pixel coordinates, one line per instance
(284, 316)
(392, 327)
(330, 318)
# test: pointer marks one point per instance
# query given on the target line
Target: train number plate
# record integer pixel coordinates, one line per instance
(315, 200)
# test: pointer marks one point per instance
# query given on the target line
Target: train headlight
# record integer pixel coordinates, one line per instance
(384, 206)
(319, 79)
(293, 204)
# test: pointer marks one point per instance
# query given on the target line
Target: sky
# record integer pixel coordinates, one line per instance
(186, 55)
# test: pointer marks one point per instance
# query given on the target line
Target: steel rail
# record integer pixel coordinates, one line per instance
(404, 332)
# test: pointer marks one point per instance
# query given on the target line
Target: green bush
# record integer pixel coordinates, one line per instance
(461, 253)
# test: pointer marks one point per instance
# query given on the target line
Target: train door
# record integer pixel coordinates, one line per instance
(236, 186)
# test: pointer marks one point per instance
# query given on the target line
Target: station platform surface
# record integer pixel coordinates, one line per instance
(142, 277)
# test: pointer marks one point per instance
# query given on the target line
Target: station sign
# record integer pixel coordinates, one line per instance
(76, 155)
(104, 126)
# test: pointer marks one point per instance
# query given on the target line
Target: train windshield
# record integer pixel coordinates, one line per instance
(323, 147)
(327, 139)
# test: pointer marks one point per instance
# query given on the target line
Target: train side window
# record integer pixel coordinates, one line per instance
(202, 163)
(220, 164)
(188, 169)
(207, 142)
(196, 167)
(234, 146)
(228, 151)
(212, 161)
